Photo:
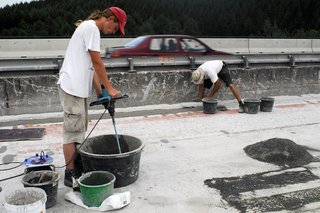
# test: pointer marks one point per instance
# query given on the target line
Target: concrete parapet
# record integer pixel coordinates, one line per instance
(315, 45)
(17, 48)
(280, 46)
(38, 94)
(231, 45)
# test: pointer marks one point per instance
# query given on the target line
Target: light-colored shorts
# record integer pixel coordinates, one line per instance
(75, 119)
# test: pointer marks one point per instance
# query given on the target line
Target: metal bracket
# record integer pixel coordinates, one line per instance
(292, 60)
(131, 66)
(192, 63)
(245, 62)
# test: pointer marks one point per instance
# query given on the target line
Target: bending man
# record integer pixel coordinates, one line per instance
(210, 74)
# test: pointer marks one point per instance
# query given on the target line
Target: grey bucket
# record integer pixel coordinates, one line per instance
(210, 106)
(102, 153)
(251, 106)
(46, 180)
(266, 104)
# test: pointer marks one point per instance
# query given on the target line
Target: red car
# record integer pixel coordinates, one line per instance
(163, 45)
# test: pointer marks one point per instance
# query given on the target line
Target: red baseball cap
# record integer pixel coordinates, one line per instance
(121, 16)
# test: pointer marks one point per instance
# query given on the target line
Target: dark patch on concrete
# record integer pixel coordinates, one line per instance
(279, 151)
(232, 187)
(3, 149)
(226, 132)
(222, 108)
(8, 158)
(21, 134)
(164, 141)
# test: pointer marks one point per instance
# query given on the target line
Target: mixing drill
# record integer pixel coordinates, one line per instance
(109, 104)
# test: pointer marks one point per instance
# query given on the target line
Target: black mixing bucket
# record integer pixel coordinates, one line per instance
(46, 180)
(102, 153)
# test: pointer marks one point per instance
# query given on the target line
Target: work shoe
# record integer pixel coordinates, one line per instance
(241, 108)
(69, 175)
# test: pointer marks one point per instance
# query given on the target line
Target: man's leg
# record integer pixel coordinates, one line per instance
(224, 74)
(75, 123)
(69, 151)
(236, 94)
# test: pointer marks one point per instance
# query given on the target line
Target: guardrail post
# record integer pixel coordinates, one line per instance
(192, 63)
(292, 61)
(59, 63)
(245, 62)
(131, 67)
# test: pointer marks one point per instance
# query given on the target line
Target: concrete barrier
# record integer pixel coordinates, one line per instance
(38, 94)
(315, 43)
(280, 46)
(17, 48)
(231, 45)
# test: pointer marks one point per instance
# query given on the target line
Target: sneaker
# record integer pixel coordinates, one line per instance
(241, 108)
(69, 175)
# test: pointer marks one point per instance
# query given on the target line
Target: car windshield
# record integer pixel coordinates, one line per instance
(135, 41)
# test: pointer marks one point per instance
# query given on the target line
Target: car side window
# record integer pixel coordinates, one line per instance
(164, 44)
(171, 45)
(192, 45)
(156, 44)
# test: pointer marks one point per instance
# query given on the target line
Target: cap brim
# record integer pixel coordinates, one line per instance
(121, 29)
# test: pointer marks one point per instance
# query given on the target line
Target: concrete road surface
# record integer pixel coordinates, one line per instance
(193, 162)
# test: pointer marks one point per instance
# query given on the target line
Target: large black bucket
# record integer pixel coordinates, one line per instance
(102, 153)
(210, 106)
(251, 106)
(266, 104)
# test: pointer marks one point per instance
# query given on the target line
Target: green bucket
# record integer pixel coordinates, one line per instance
(96, 186)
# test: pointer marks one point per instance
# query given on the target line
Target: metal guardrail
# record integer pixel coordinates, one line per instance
(53, 64)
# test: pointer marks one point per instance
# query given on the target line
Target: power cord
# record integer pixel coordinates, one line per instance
(84, 140)
(20, 163)
(1, 170)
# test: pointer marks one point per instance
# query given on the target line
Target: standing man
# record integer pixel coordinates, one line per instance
(209, 74)
(83, 69)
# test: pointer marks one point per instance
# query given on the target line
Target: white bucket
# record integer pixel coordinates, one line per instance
(29, 200)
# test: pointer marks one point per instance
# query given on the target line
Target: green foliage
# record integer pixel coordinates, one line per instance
(220, 18)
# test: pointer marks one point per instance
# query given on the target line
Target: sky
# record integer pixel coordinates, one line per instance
(11, 2)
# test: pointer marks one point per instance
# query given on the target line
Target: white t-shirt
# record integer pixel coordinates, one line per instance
(76, 73)
(211, 69)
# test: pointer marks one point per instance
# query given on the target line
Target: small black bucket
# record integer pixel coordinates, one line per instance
(251, 106)
(102, 153)
(210, 106)
(266, 104)
(46, 180)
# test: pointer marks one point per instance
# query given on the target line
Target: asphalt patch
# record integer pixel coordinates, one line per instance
(280, 151)
(235, 190)
(289, 188)
(7, 135)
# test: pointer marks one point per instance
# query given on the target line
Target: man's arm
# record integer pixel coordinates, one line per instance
(97, 84)
(216, 87)
(101, 73)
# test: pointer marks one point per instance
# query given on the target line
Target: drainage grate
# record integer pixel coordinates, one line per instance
(269, 191)
(21, 134)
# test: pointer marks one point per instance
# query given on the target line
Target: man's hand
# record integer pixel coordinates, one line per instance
(114, 93)
(206, 99)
